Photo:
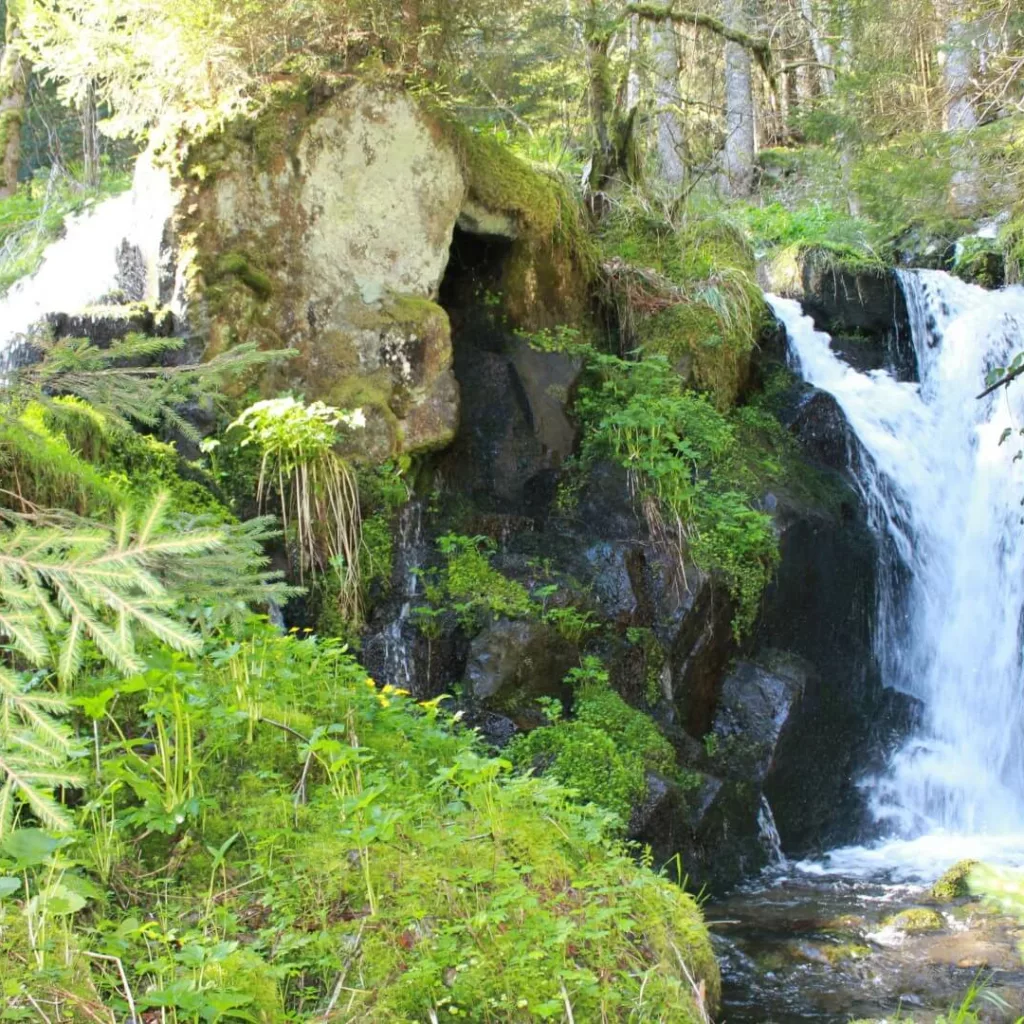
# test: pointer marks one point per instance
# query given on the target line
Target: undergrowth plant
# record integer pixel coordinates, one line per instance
(604, 752)
(315, 488)
(689, 465)
(349, 855)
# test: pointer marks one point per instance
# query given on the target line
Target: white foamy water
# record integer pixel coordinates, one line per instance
(944, 498)
(81, 267)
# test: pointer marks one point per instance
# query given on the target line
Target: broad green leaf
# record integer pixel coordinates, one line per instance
(29, 847)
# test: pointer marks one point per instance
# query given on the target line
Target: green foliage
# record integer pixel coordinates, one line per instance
(688, 467)
(63, 587)
(1003, 886)
(33, 217)
(954, 884)
(685, 291)
(267, 806)
(585, 760)
(845, 241)
(604, 753)
(979, 261)
(572, 624)
(44, 470)
(73, 592)
(316, 490)
(478, 592)
(654, 660)
(35, 753)
(1012, 238)
(114, 385)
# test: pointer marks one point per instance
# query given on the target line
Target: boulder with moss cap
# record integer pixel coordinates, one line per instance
(325, 226)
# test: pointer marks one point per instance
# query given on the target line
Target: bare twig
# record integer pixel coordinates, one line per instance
(37, 1008)
(340, 986)
(568, 1005)
(700, 995)
(124, 979)
(286, 728)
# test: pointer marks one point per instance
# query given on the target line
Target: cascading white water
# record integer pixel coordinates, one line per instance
(945, 501)
(81, 267)
(399, 667)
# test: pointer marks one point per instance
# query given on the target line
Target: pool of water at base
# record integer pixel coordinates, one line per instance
(823, 942)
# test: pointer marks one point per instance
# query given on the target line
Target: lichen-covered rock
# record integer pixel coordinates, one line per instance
(326, 226)
(331, 237)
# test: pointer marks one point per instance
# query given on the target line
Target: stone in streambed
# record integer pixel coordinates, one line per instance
(916, 921)
(953, 885)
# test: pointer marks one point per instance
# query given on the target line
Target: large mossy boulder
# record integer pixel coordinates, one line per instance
(326, 226)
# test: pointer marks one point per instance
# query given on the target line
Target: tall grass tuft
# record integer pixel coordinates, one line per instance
(316, 489)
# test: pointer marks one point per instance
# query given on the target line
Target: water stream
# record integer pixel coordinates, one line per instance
(810, 941)
(82, 267)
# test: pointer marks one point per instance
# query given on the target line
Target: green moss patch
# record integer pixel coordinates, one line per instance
(916, 921)
(688, 293)
(605, 752)
(953, 885)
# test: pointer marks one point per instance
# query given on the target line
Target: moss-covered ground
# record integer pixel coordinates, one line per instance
(327, 849)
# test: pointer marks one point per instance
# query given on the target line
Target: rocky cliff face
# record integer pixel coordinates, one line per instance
(863, 309)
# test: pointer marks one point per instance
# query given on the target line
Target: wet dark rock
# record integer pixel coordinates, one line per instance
(514, 431)
(699, 654)
(103, 325)
(863, 309)
(511, 663)
(819, 424)
(659, 820)
(866, 314)
(755, 706)
(820, 607)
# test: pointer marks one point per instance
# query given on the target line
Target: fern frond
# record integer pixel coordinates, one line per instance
(26, 635)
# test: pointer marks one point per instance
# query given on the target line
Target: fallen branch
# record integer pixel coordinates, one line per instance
(124, 979)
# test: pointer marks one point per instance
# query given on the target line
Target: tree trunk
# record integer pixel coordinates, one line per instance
(90, 139)
(634, 83)
(739, 154)
(600, 97)
(822, 49)
(671, 140)
(957, 71)
(13, 95)
(960, 115)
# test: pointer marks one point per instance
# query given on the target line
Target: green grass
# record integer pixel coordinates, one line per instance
(265, 834)
(33, 218)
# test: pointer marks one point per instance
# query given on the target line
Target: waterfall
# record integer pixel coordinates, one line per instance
(397, 639)
(944, 498)
(83, 267)
(768, 834)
